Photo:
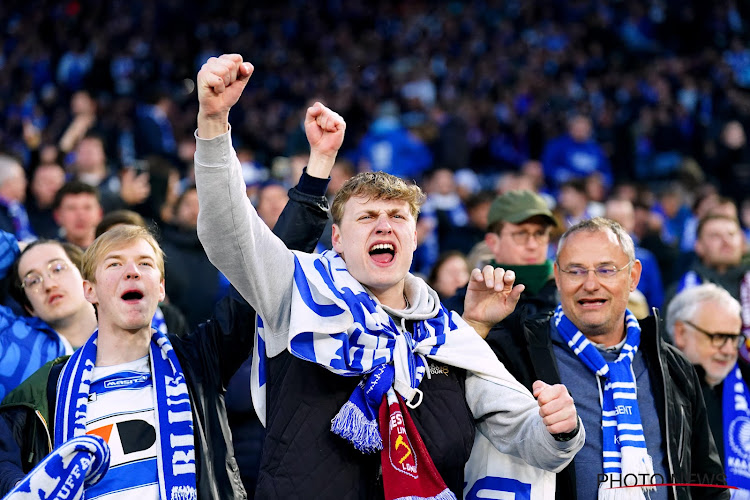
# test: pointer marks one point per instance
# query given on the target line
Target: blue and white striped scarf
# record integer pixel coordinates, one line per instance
(173, 413)
(338, 325)
(66, 472)
(623, 442)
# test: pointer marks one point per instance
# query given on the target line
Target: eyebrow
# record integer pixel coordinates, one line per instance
(48, 263)
(603, 263)
(392, 211)
(119, 256)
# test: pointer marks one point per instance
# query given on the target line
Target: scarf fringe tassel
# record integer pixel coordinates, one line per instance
(184, 493)
(351, 424)
(446, 494)
(636, 462)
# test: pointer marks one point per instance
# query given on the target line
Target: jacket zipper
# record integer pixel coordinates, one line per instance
(46, 430)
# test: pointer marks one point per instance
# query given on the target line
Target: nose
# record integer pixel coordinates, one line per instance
(49, 282)
(591, 282)
(532, 242)
(729, 347)
(384, 225)
(131, 271)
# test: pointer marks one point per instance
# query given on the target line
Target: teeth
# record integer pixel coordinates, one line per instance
(382, 246)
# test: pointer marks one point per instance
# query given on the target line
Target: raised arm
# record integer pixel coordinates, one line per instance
(236, 241)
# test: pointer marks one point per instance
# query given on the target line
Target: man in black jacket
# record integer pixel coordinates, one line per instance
(705, 324)
(125, 279)
(595, 271)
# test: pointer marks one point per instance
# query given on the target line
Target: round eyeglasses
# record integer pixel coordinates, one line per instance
(541, 237)
(604, 272)
(33, 280)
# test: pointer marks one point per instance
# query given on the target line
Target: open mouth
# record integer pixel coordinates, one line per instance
(592, 303)
(382, 253)
(54, 298)
(132, 295)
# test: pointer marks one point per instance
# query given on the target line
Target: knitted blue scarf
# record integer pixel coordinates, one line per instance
(176, 444)
(623, 443)
(66, 472)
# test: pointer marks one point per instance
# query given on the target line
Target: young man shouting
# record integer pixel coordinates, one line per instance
(356, 311)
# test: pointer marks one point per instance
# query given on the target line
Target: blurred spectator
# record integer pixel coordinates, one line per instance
(518, 229)
(731, 165)
(13, 216)
(720, 248)
(153, 129)
(450, 272)
(90, 167)
(118, 217)
(450, 147)
(464, 238)
(83, 108)
(704, 323)
(573, 204)
(650, 283)
(443, 200)
(74, 65)
(389, 147)
(77, 211)
(45, 280)
(272, 198)
(46, 180)
(192, 282)
(575, 155)
(673, 208)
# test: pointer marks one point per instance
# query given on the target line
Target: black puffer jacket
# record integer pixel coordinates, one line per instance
(209, 356)
(301, 454)
(528, 355)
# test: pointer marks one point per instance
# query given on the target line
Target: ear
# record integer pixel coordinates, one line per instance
(635, 274)
(162, 291)
(56, 217)
(492, 240)
(556, 271)
(679, 334)
(700, 250)
(336, 239)
(89, 291)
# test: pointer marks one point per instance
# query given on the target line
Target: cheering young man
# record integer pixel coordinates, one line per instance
(350, 335)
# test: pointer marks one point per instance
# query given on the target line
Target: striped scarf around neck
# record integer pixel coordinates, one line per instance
(172, 409)
(624, 449)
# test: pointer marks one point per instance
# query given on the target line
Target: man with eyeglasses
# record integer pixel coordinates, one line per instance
(518, 230)
(704, 323)
(722, 259)
(639, 394)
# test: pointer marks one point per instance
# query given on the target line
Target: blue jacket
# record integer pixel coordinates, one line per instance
(564, 159)
(391, 148)
(650, 284)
